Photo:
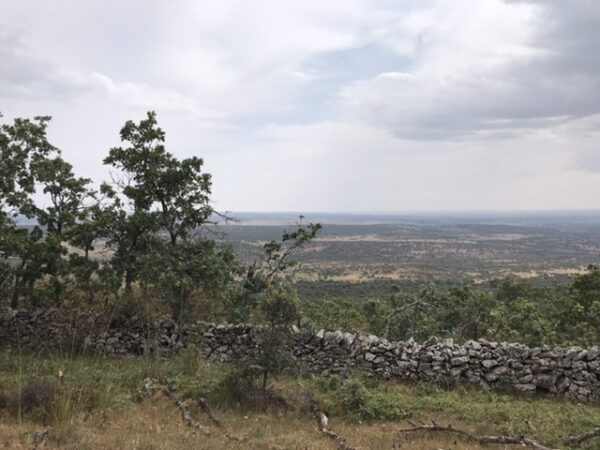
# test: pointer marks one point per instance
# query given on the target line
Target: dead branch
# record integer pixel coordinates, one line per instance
(203, 405)
(395, 311)
(151, 386)
(39, 439)
(482, 440)
(323, 422)
(580, 438)
(186, 416)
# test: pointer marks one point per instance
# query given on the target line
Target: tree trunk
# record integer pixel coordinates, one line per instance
(128, 282)
(14, 302)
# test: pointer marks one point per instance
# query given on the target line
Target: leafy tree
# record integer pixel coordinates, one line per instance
(271, 269)
(67, 196)
(193, 266)
(268, 296)
(279, 311)
(23, 145)
(166, 196)
(178, 192)
(23, 148)
(579, 318)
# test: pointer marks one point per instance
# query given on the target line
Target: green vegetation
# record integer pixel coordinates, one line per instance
(95, 389)
(139, 246)
(511, 311)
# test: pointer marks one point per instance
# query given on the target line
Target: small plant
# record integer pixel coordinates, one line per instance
(36, 395)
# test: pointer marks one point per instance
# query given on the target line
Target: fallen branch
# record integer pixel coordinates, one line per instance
(39, 439)
(186, 416)
(203, 405)
(323, 422)
(482, 440)
(151, 386)
(580, 438)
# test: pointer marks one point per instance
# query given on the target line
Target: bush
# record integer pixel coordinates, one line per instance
(37, 394)
(361, 399)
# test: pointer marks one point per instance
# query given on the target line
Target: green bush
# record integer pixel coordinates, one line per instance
(362, 399)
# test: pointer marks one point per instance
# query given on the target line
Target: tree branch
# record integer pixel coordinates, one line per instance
(580, 438)
(482, 440)
(323, 422)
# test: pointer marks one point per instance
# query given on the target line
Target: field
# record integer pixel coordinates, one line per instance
(361, 256)
(99, 406)
(99, 403)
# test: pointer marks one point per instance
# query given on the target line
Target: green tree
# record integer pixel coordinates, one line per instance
(166, 197)
(67, 195)
(268, 297)
(23, 148)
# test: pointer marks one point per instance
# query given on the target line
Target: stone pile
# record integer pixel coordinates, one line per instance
(573, 372)
(69, 332)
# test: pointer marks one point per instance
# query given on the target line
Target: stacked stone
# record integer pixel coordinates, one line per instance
(53, 330)
(227, 342)
(573, 372)
(42, 330)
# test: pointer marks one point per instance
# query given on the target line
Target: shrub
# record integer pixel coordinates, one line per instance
(37, 394)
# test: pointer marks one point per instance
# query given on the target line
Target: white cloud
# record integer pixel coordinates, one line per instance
(337, 105)
(483, 67)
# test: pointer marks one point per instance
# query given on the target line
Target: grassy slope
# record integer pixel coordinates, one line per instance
(100, 409)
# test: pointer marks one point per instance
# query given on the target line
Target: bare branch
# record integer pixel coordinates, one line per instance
(151, 386)
(482, 440)
(203, 405)
(323, 422)
(186, 416)
(580, 438)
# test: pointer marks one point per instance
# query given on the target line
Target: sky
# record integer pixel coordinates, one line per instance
(338, 105)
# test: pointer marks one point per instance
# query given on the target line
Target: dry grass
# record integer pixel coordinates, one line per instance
(110, 415)
(156, 425)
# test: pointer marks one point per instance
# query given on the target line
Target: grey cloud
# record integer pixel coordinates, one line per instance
(558, 81)
(24, 76)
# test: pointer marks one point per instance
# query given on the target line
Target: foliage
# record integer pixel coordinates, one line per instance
(267, 295)
(140, 243)
(511, 311)
(153, 195)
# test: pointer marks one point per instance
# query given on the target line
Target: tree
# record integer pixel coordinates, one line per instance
(261, 274)
(267, 295)
(167, 197)
(191, 267)
(23, 148)
(23, 145)
(67, 196)
(177, 192)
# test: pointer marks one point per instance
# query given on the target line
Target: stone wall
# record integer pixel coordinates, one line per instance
(573, 372)
(70, 332)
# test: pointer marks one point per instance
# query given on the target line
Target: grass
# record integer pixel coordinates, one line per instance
(99, 407)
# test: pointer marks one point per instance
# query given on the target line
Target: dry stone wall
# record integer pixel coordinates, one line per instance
(572, 372)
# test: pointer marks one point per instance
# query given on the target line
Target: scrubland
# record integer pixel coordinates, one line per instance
(99, 404)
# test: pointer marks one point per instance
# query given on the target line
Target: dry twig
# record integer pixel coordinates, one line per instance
(580, 438)
(40, 438)
(186, 416)
(151, 386)
(323, 422)
(482, 440)
(203, 405)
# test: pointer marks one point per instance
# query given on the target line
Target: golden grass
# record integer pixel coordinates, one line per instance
(110, 415)
(156, 425)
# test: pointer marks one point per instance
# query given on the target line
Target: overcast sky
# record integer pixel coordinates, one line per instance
(312, 105)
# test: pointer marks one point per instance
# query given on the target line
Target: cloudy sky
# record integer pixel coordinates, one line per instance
(337, 105)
